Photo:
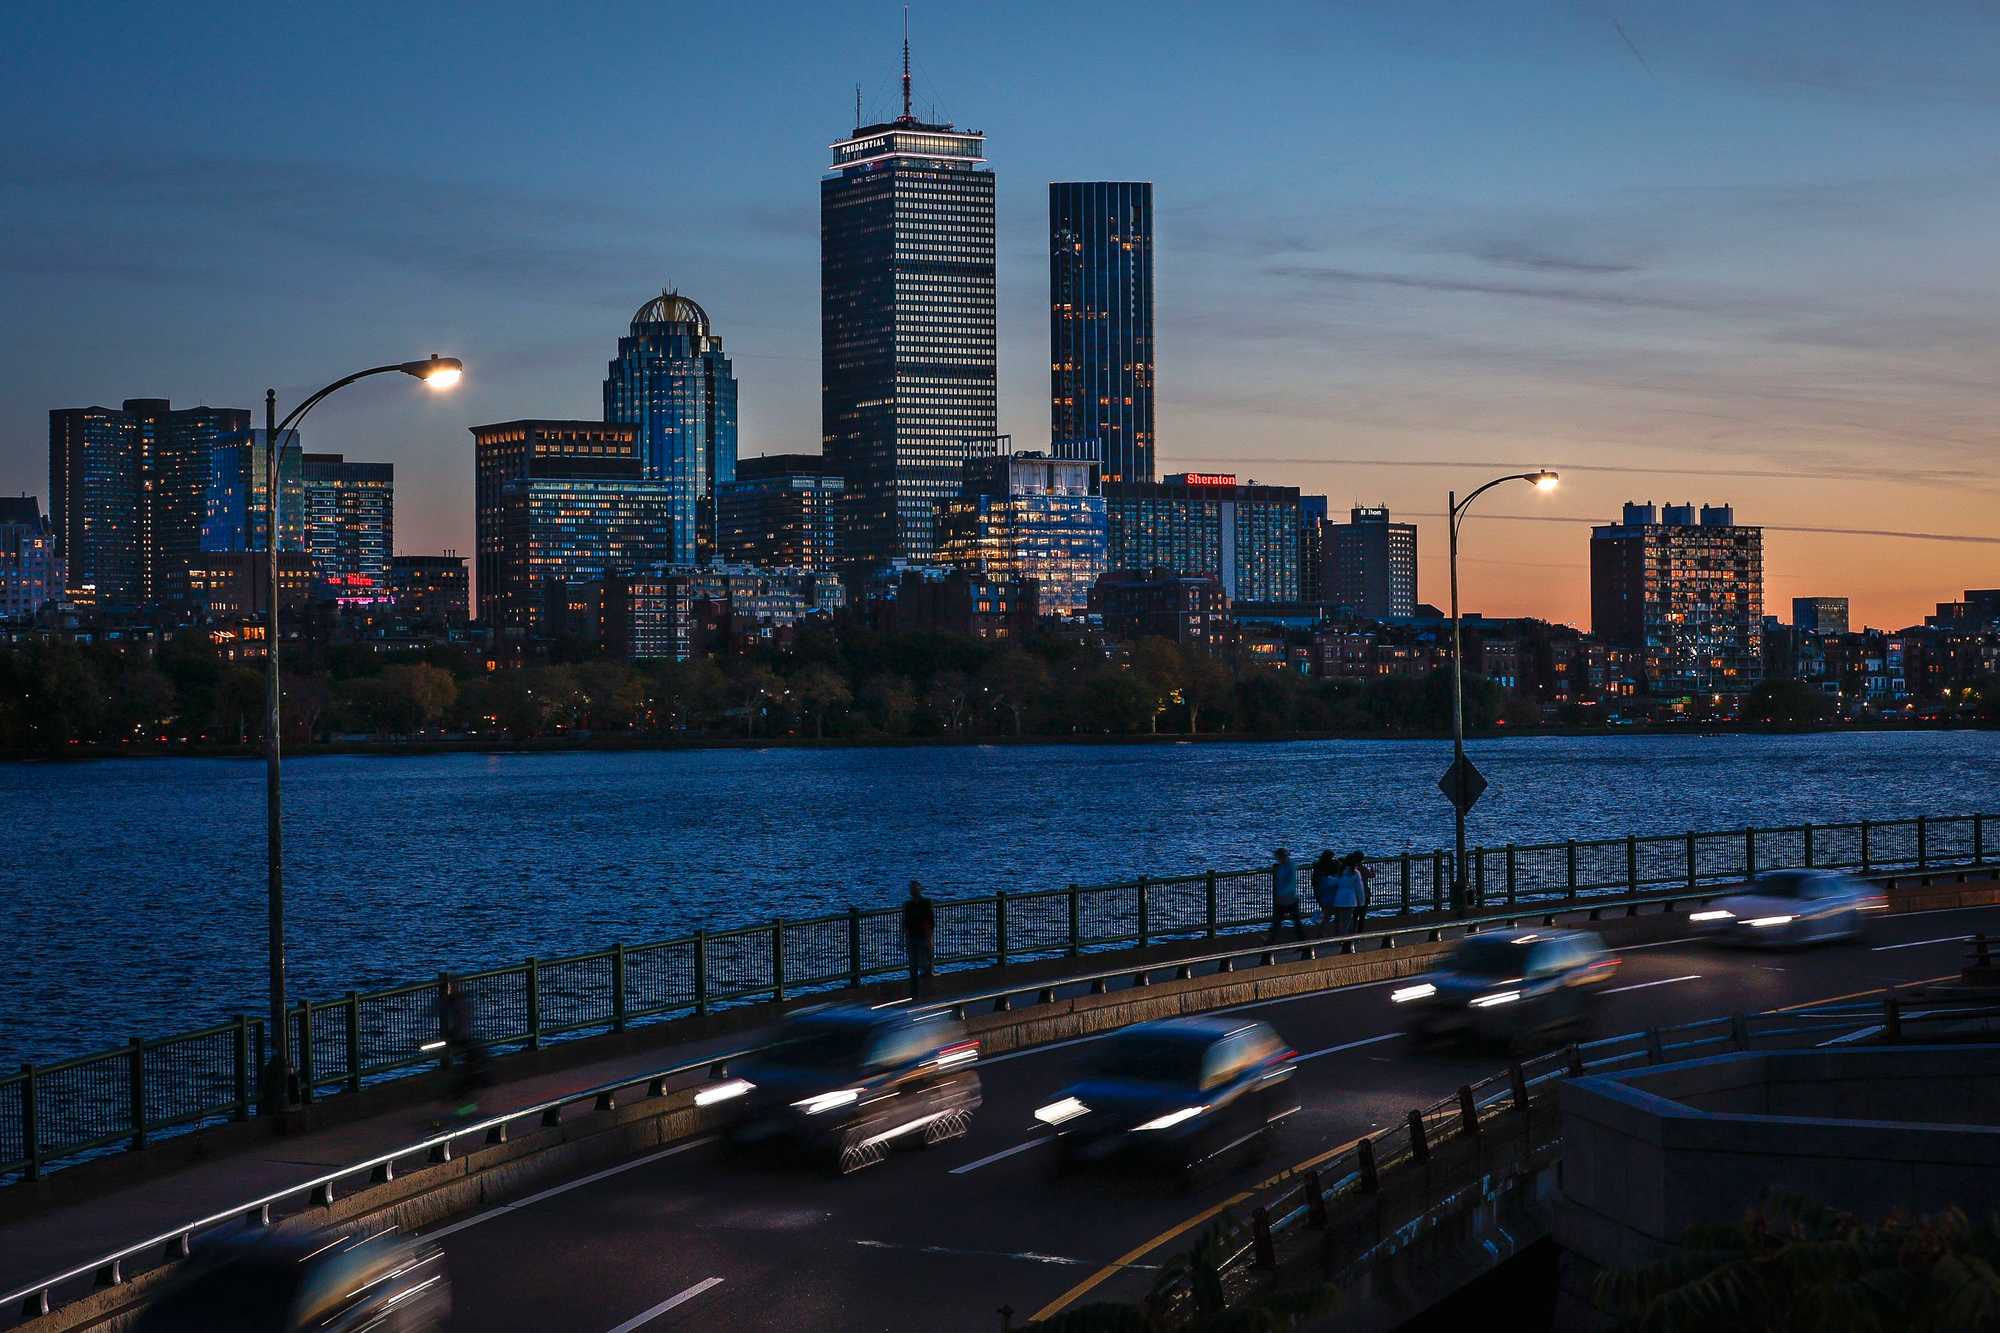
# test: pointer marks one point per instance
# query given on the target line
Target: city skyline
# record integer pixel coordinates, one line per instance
(1702, 262)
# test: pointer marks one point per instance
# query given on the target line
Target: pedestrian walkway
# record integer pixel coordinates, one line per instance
(68, 1235)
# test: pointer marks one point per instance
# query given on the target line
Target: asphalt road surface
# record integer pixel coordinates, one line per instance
(941, 1238)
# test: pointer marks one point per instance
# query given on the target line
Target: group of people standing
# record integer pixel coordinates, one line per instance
(1339, 886)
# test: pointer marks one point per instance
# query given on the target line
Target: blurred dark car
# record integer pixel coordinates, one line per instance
(258, 1282)
(1175, 1093)
(1791, 907)
(1512, 987)
(844, 1084)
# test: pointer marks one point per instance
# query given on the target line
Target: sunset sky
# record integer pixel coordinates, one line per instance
(1705, 252)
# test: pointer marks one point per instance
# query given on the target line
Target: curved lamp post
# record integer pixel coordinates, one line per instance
(1543, 480)
(439, 372)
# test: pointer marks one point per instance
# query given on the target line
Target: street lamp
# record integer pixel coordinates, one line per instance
(439, 372)
(1542, 480)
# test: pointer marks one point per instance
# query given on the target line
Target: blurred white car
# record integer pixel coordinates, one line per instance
(1782, 907)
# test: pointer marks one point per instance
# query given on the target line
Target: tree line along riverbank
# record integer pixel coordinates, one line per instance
(68, 700)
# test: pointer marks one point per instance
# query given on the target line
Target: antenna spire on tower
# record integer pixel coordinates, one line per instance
(906, 62)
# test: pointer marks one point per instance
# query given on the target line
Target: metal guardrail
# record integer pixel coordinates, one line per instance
(132, 1093)
(108, 1270)
(1515, 1107)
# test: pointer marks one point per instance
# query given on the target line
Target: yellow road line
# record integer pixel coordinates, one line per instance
(1862, 994)
(1134, 1255)
(1138, 1252)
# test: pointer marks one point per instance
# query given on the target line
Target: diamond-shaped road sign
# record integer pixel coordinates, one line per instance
(1462, 784)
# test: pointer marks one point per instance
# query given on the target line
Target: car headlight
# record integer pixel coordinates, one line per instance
(827, 1101)
(1497, 997)
(1713, 914)
(1171, 1118)
(723, 1092)
(1769, 921)
(1423, 990)
(1069, 1108)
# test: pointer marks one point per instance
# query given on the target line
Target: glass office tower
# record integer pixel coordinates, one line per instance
(1029, 514)
(236, 515)
(1101, 321)
(673, 383)
(907, 353)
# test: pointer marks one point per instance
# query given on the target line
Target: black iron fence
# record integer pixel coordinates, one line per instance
(127, 1095)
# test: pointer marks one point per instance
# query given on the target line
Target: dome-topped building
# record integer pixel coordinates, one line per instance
(672, 381)
(670, 307)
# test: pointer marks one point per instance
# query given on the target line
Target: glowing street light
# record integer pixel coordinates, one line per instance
(1542, 480)
(438, 372)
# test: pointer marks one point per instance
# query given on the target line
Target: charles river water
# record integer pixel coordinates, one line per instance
(134, 889)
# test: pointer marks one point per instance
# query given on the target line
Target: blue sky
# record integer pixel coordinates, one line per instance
(1724, 252)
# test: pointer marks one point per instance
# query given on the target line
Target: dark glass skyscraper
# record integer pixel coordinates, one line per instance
(907, 357)
(94, 503)
(236, 514)
(1101, 321)
(672, 381)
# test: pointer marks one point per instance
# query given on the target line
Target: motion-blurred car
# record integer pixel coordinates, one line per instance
(1509, 986)
(844, 1084)
(258, 1282)
(1791, 907)
(1177, 1092)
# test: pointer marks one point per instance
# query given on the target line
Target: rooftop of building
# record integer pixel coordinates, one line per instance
(784, 465)
(670, 307)
(552, 425)
(20, 509)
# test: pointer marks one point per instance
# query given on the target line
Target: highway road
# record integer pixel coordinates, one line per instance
(941, 1238)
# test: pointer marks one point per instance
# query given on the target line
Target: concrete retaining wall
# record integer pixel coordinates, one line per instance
(1643, 1160)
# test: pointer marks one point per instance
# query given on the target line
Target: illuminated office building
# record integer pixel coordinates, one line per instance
(1247, 536)
(1029, 515)
(907, 350)
(560, 502)
(672, 383)
(781, 512)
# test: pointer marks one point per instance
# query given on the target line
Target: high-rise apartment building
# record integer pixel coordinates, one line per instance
(431, 589)
(1369, 564)
(30, 571)
(1687, 596)
(673, 384)
(1819, 615)
(1205, 523)
(94, 504)
(350, 519)
(781, 512)
(561, 502)
(1029, 514)
(907, 351)
(1101, 321)
(177, 484)
(236, 512)
(131, 485)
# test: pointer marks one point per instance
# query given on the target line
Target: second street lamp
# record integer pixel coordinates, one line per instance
(439, 372)
(1542, 480)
